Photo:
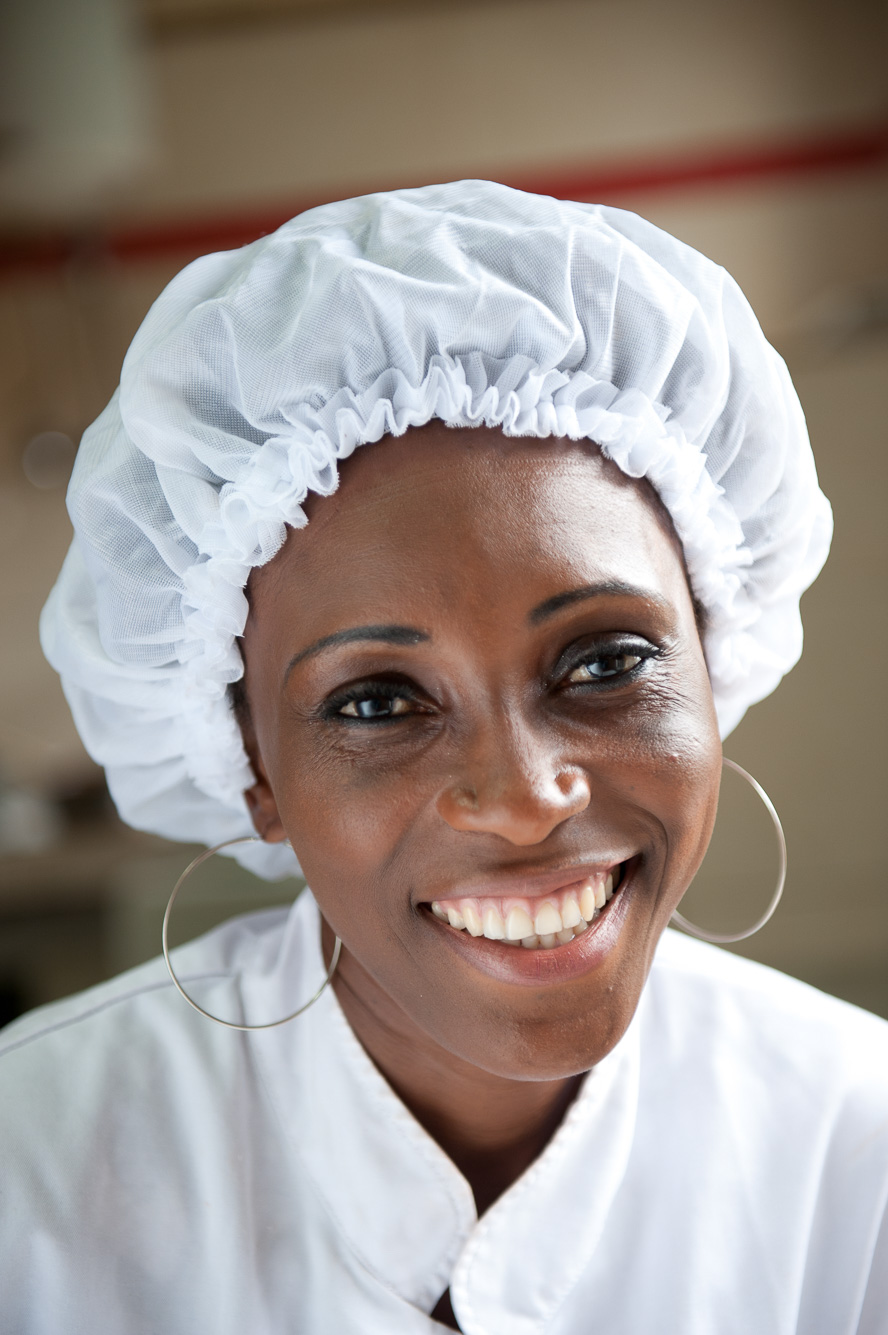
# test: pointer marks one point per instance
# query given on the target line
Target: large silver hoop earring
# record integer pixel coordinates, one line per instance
(725, 938)
(229, 1024)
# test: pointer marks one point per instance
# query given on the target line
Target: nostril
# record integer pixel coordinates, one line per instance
(466, 798)
(574, 789)
(522, 814)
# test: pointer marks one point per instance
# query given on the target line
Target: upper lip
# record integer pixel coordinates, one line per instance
(530, 884)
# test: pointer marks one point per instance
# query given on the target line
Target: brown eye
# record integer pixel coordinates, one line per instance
(376, 707)
(607, 665)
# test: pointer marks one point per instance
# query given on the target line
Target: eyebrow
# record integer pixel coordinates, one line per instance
(606, 589)
(409, 635)
(357, 634)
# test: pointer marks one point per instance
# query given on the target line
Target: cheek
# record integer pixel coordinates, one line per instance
(683, 769)
(662, 759)
(346, 818)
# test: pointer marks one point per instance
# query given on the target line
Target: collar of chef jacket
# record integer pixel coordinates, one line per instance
(397, 1202)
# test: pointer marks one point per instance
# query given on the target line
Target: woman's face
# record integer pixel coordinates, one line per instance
(475, 681)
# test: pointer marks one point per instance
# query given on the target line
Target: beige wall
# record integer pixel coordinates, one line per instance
(487, 87)
(249, 115)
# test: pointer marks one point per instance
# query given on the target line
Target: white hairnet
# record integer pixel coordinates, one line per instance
(258, 369)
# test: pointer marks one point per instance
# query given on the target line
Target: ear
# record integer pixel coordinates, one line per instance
(264, 814)
(259, 797)
(262, 807)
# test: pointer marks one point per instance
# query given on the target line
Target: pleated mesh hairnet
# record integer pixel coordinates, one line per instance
(258, 369)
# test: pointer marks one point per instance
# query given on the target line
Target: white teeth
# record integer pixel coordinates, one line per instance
(494, 927)
(547, 920)
(587, 901)
(474, 926)
(546, 929)
(518, 925)
(570, 911)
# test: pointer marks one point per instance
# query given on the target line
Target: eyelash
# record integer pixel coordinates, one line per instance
(641, 650)
(365, 692)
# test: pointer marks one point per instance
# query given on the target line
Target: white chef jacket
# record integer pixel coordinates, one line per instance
(723, 1171)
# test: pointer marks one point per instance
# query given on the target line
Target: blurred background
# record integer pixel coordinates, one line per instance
(135, 136)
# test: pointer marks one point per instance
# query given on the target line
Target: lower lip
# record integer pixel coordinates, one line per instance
(541, 967)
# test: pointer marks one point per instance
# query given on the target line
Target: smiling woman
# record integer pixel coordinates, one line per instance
(545, 694)
(475, 677)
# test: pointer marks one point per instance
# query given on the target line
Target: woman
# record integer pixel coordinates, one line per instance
(476, 678)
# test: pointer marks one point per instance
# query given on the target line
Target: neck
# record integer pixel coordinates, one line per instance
(490, 1126)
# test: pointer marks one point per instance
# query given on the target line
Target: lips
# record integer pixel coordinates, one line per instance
(548, 956)
(543, 921)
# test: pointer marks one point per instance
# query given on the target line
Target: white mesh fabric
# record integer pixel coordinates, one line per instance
(258, 369)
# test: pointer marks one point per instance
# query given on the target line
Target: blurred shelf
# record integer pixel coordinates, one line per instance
(75, 874)
(169, 18)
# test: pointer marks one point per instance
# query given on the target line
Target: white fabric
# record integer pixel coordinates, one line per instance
(257, 370)
(723, 1172)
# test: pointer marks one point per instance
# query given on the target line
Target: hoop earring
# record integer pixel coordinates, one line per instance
(229, 1024)
(725, 938)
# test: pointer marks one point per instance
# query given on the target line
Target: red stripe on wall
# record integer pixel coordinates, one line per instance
(864, 147)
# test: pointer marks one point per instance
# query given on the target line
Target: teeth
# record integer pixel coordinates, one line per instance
(473, 920)
(494, 927)
(570, 911)
(547, 921)
(587, 901)
(518, 925)
(552, 924)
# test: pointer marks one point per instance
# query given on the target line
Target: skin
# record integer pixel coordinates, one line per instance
(500, 763)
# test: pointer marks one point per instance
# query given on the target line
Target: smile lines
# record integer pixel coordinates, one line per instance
(550, 921)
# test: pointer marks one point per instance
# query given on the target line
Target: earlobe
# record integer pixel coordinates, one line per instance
(259, 797)
(264, 813)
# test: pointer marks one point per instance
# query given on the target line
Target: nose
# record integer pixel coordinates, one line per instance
(513, 786)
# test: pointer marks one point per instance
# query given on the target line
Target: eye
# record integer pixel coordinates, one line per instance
(604, 666)
(371, 707)
(374, 701)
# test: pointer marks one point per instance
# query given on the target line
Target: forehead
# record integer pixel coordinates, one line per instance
(453, 516)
